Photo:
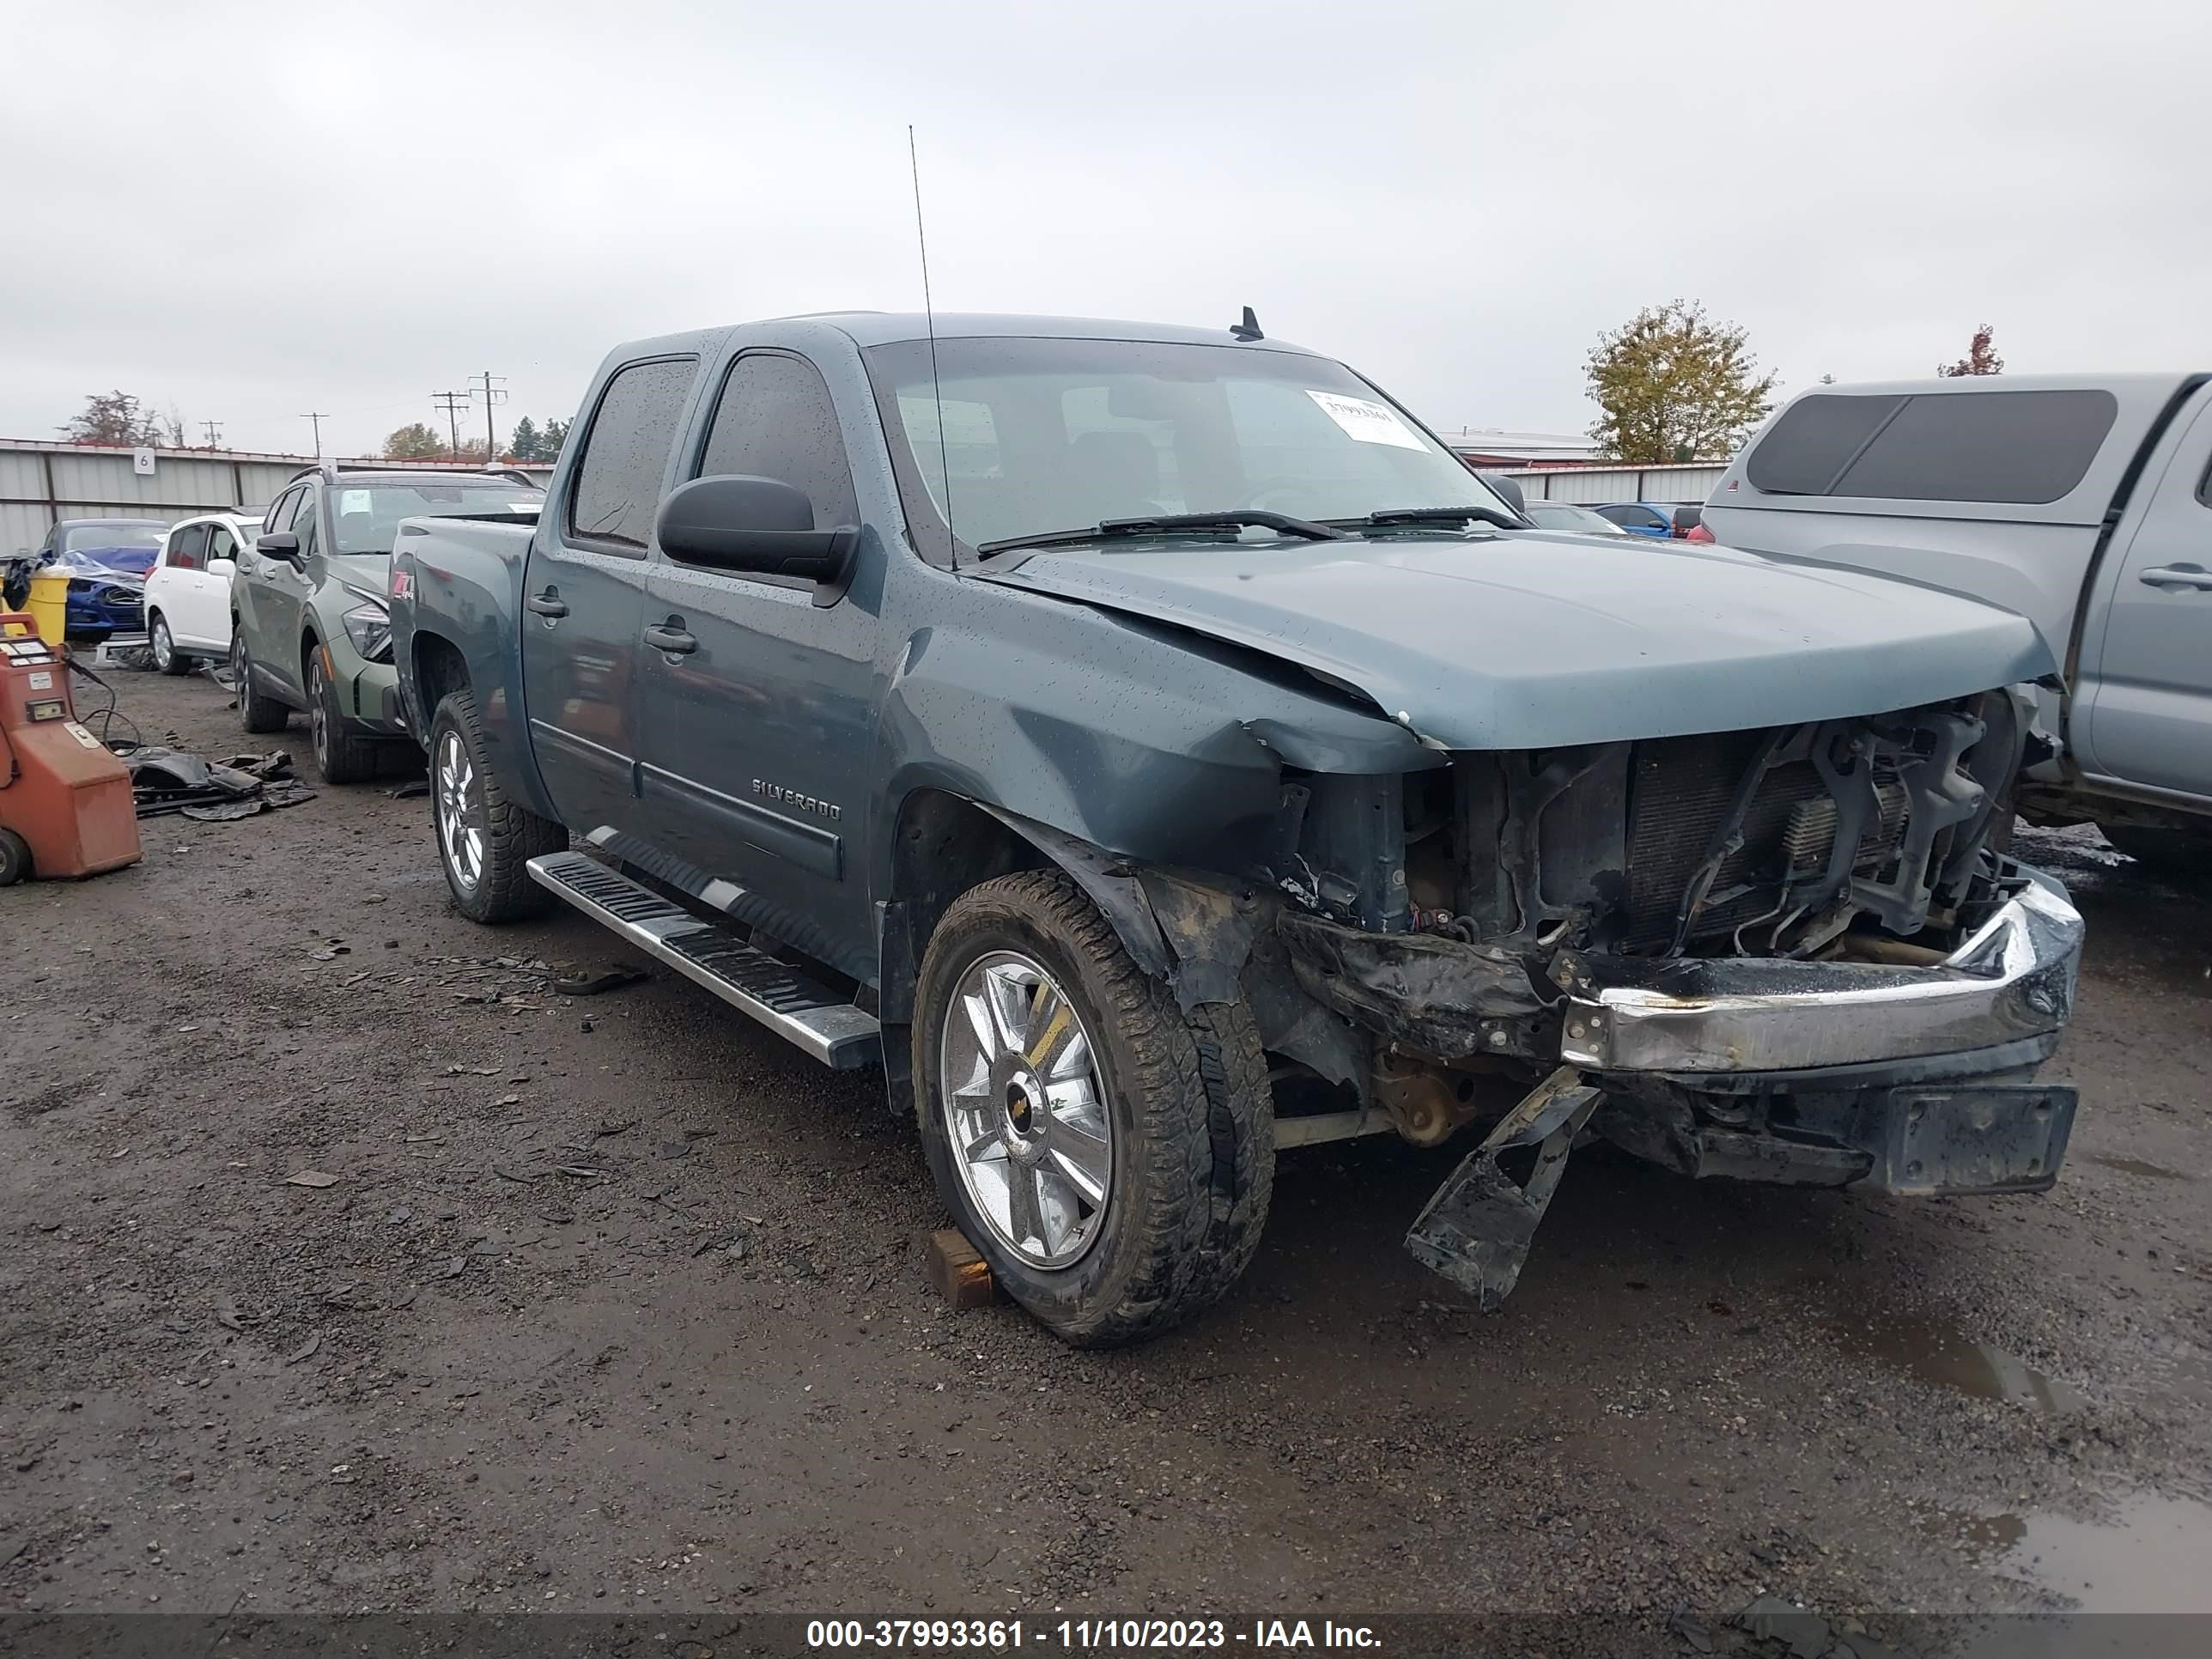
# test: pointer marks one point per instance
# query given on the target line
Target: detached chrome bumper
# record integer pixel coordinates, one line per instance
(2013, 979)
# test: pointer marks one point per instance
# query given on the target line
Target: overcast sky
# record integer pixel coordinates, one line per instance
(246, 211)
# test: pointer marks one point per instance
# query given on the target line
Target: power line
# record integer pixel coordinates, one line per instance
(492, 395)
(317, 416)
(451, 402)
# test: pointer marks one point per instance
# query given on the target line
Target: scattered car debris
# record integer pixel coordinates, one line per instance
(311, 1178)
(164, 780)
(306, 1350)
(410, 789)
(592, 985)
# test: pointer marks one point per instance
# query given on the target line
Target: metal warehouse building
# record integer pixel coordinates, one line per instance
(1589, 486)
(42, 482)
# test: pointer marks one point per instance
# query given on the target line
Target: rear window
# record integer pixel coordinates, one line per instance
(2021, 447)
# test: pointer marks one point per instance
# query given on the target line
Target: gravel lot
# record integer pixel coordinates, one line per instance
(617, 1302)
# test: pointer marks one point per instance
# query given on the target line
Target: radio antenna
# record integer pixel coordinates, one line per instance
(929, 321)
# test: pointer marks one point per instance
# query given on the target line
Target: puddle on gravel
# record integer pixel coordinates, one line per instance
(1938, 1353)
(2148, 1558)
(2136, 1166)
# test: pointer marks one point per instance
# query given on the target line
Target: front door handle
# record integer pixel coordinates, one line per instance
(2177, 575)
(547, 603)
(669, 638)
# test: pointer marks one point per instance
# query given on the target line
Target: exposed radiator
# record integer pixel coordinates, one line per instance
(1679, 793)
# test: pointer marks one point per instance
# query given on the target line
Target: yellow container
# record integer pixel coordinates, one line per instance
(50, 603)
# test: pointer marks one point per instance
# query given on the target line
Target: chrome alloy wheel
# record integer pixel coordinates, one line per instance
(1024, 1110)
(459, 794)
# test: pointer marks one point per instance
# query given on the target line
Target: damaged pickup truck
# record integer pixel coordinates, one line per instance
(1105, 727)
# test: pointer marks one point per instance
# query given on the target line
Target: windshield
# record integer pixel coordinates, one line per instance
(365, 518)
(1563, 516)
(113, 538)
(1042, 435)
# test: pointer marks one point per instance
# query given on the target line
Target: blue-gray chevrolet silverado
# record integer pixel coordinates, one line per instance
(1154, 748)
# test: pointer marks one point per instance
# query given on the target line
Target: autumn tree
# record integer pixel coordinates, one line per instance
(113, 418)
(415, 442)
(1675, 385)
(1981, 357)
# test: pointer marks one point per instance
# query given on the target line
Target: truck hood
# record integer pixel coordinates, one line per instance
(1532, 640)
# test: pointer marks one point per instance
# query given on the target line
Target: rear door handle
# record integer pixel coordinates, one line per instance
(673, 639)
(2177, 575)
(547, 603)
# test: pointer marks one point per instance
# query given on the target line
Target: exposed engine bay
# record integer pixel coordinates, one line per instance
(1734, 954)
(1778, 842)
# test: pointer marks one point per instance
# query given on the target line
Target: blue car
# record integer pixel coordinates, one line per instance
(1655, 519)
(108, 560)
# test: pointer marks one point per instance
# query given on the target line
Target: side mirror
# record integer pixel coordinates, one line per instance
(762, 526)
(222, 566)
(283, 546)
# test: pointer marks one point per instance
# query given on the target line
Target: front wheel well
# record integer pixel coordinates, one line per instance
(944, 845)
(438, 669)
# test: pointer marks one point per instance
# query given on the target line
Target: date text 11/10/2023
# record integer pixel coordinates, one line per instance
(1085, 1635)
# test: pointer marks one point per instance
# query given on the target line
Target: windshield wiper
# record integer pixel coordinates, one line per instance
(1166, 524)
(1418, 515)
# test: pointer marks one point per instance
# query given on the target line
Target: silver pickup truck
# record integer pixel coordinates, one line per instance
(2083, 503)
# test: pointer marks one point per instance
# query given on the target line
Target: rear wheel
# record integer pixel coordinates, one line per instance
(257, 714)
(14, 858)
(166, 657)
(340, 756)
(485, 840)
(1109, 1155)
(2179, 856)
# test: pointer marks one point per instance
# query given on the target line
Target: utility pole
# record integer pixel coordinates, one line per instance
(214, 431)
(451, 402)
(492, 395)
(316, 416)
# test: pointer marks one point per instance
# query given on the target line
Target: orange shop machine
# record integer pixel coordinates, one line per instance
(65, 804)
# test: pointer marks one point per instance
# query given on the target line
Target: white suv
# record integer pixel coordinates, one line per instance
(188, 589)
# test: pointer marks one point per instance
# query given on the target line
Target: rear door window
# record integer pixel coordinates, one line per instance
(625, 458)
(2026, 448)
(187, 548)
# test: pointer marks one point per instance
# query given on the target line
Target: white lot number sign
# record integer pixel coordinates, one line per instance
(1369, 421)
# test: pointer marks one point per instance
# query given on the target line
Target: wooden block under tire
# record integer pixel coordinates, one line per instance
(960, 1277)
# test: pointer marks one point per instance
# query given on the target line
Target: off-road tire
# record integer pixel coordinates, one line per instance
(173, 663)
(513, 835)
(2181, 856)
(340, 755)
(257, 714)
(1192, 1113)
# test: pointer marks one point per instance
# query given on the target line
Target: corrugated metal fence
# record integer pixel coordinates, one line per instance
(1590, 486)
(41, 482)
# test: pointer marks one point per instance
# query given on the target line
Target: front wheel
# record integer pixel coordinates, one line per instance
(166, 657)
(340, 756)
(1110, 1156)
(485, 840)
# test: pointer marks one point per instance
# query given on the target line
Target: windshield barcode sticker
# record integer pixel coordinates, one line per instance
(1369, 421)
